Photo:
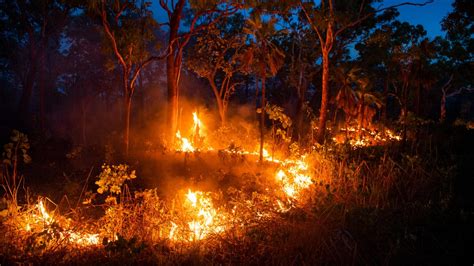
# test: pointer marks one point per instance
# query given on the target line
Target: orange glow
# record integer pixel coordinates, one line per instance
(40, 220)
(186, 145)
(367, 138)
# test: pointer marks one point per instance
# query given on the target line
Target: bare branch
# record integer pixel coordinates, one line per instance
(312, 23)
(445, 87)
(168, 51)
(193, 29)
(111, 35)
(164, 5)
(360, 20)
(122, 9)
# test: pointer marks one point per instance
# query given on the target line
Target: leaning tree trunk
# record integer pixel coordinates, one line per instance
(324, 98)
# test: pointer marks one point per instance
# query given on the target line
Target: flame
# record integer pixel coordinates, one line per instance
(44, 214)
(368, 138)
(194, 140)
(294, 177)
(203, 222)
(41, 220)
(199, 218)
(172, 231)
(197, 123)
(186, 145)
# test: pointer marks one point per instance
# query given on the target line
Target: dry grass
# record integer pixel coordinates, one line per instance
(380, 205)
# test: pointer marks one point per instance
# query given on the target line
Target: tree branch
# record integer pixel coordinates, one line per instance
(360, 20)
(321, 41)
(121, 10)
(111, 35)
(165, 7)
(150, 59)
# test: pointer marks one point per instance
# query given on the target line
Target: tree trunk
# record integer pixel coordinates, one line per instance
(299, 117)
(42, 90)
(173, 69)
(301, 91)
(172, 95)
(262, 117)
(324, 97)
(442, 116)
(27, 91)
(418, 100)
(219, 101)
(361, 114)
(127, 112)
(83, 122)
(385, 95)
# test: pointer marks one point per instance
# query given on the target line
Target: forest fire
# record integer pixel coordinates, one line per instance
(186, 145)
(194, 141)
(180, 132)
(39, 220)
(294, 177)
(201, 219)
(365, 137)
(204, 222)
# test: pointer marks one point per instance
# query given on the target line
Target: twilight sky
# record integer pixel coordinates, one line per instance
(429, 16)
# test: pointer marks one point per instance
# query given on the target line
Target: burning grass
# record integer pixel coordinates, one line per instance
(365, 137)
(292, 208)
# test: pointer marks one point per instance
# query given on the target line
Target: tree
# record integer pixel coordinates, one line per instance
(216, 57)
(300, 67)
(31, 25)
(356, 97)
(405, 57)
(264, 57)
(205, 14)
(128, 27)
(81, 83)
(459, 26)
(456, 52)
(329, 21)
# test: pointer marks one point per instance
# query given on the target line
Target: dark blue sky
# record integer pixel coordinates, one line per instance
(429, 16)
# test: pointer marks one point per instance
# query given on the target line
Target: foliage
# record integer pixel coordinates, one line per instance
(18, 146)
(112, 177)
(281, 122)
(10, 179)
(263, 53)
